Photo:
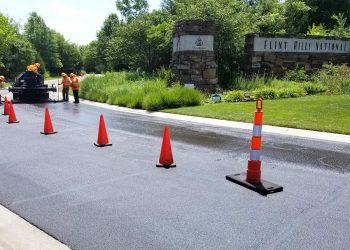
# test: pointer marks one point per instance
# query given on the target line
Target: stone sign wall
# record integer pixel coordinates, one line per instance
(193, 59)
(267, 53)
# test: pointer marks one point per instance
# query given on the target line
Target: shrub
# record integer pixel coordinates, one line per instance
(298, 74)
(313, 88)
(266, 93)
(233, 96)
(167, 75)
(336, 78)
(290, 92)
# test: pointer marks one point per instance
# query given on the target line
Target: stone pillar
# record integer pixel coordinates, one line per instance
(193, 59)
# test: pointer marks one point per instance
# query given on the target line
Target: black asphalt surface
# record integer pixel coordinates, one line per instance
(115, 197)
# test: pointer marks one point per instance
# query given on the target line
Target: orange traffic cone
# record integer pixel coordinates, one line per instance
(48, 128)
(166, 155)
(12, 115)
(6, 107)
(102, 139)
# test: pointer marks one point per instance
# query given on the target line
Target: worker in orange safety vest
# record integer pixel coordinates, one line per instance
(66, 81)
(2, 80)
(75, 87)
(34, 67)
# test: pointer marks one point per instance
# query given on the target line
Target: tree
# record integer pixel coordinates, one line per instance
(42, 38)
(144, 42)
(296, 13)
(268, 16)
(168, 5)
(109, 26)
(131, 8)
(17, 56)
(7, 33)
(340, 29)
(91, 59)
(69, 53)
(323, 10)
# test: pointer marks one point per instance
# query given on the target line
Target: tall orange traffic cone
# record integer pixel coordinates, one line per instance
(48, 128)
(252, 178)
(102, 139)
(6, 107)
(166, 155)
(12, 115)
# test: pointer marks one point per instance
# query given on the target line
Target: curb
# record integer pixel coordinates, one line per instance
(16, 233)
(309, 134)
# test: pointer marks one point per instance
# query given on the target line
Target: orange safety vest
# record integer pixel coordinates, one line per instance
(66, 82)
(32, 68)
(75, 83)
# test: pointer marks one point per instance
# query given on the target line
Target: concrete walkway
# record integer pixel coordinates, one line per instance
(18, 234)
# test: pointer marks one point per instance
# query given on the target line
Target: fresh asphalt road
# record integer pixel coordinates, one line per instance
(116, 198)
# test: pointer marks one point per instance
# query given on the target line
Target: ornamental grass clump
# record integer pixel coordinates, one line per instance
(233, 96)
(136, 90)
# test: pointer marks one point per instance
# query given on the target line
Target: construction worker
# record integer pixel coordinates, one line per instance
(30, 67)
(75, 87)
(34, 67)
(37, 67)
(2, 80)
(66, 81)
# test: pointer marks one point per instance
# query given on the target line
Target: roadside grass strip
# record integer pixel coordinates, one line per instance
(320, 113)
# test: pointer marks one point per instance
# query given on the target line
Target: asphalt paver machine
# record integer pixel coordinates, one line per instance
(29, 87)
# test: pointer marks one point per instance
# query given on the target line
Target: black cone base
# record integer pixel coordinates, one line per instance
(102, 145)
(263, 188)
(54, 132)
(13, 122)
(5, 114)
(159, 165)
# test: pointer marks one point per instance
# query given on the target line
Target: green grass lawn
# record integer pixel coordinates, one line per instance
(52, 78)
(322, 113)
(7, 84)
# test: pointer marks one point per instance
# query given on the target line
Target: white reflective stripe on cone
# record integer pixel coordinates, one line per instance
(257, 130)
(255, 155)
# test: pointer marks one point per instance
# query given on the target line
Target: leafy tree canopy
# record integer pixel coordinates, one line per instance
(131, 8)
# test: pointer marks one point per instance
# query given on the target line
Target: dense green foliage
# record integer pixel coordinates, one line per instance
(40, 44)
(142, 40)
(7, 33)
(131, 8)
(137, 90)
(321, 11)
(331, 79)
